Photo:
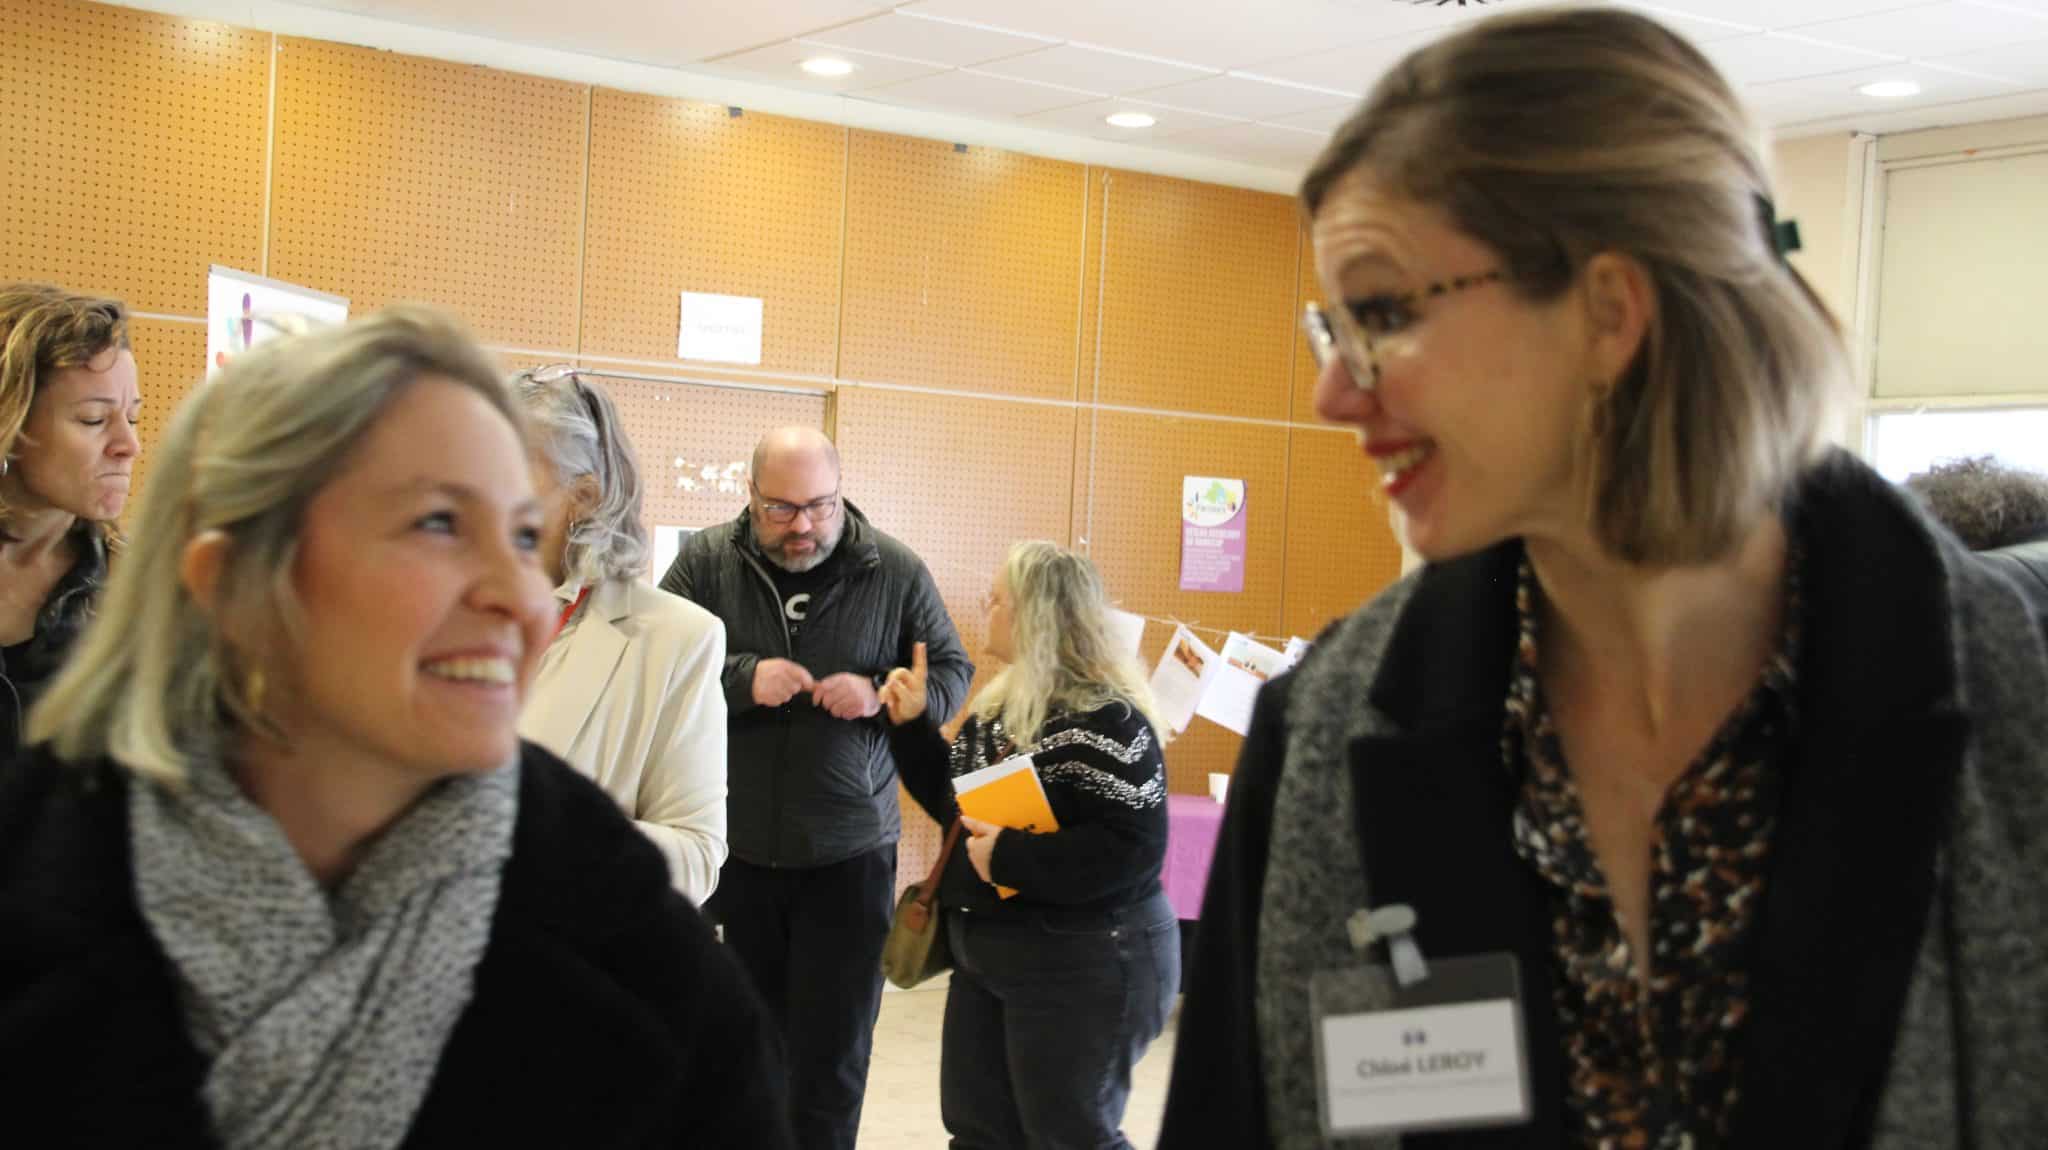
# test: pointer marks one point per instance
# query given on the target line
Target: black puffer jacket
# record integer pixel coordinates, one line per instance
(805, 789)
(24, 673)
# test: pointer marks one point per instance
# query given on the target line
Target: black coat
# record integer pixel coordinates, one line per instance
(1869, 799)
(806, 789)
(65, 612)
(2026, 564)
(605, 1015)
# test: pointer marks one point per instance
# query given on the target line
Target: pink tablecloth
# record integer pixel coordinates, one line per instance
(1191, 825)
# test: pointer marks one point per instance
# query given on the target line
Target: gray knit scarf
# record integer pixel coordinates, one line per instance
(322, 1015)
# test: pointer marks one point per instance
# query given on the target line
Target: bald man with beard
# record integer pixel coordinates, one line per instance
(819, 605)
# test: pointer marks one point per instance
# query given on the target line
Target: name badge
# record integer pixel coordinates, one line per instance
(1446, 1052)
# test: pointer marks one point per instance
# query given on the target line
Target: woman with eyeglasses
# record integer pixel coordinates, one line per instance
(1059, 985)
(1697, 772)
(629, 689)
(279, 872)
(68, 447)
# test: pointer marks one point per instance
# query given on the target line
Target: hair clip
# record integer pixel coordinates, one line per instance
(1782, 234)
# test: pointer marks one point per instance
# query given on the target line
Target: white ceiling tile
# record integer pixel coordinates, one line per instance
(1695, 28)
(1213, 34)
(1766, 58)
(1935, 30)
(1350, 69)
(1247, 97)
(975, 93)
(1090, 120)
(1781, 13)
(1823, 97)
(1320, 120)
(936, 41)
(2023, 5)
(1262, 144)
(777, 64)
(1083, 66)
(1988, 108)
(633, 30)
(2023, 63)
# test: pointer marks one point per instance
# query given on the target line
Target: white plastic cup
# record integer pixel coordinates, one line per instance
(1219, 785)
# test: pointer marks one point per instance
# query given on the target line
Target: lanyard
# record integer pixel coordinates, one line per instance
(568, 612)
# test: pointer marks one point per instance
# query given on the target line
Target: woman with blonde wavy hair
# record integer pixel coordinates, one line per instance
(278, 871)
(68, 445)
(1057, 991)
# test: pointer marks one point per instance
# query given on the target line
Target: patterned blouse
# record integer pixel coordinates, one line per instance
(1654, 1071)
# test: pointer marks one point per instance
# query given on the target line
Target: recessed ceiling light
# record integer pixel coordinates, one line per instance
(1891, 89)
(826, 66)
(1129, 120)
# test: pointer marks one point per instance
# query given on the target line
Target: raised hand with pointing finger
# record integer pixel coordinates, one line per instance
(903, 693)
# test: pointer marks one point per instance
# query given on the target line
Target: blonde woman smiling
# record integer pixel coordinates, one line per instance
(281, 873)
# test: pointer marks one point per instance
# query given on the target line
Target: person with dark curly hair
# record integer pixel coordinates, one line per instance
(1998, 511)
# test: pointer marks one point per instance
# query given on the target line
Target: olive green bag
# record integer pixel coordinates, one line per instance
(916, 949)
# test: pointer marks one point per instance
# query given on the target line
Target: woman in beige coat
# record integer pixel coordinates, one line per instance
(628, 692)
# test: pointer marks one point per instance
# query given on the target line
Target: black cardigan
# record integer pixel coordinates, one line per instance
(605, 1015)
(1852, 874)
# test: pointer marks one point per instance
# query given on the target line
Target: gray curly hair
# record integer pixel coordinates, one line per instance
(1987, 504)
(578, 429)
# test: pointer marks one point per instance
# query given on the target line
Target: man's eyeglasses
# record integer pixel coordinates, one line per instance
(1347, 332)
(819, 510)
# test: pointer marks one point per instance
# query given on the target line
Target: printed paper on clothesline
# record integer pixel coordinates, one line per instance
(1295, 649)
(1245, 666)
(1127, 629)
(1183, 674)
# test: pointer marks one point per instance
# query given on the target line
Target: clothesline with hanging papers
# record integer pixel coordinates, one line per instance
(1193, 679)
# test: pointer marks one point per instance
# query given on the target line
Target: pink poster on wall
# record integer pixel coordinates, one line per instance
(1212, 519)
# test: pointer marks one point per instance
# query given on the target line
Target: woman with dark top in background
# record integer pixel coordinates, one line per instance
(1057, 991)
(68, 445)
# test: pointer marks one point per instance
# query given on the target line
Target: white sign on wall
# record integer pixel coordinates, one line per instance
(720, 328)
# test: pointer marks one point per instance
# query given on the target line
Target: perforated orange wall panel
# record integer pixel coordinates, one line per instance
(1340, 550)
(963, 269)
(694, 442)
(131, 150)
(404, 178)
(685, 196)
(1139, 462)
(1309, 290)
(170, 361)
(1197, 313)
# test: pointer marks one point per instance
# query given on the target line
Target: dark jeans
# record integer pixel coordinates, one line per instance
(1045, 1018)
(812, 940)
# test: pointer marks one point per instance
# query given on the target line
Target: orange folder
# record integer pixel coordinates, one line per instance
(1009, 795)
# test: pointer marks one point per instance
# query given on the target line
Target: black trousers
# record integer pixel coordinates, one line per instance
(812, 940)
(1045, 1018)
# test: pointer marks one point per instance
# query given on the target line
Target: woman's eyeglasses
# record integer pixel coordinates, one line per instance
(1346, 333)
